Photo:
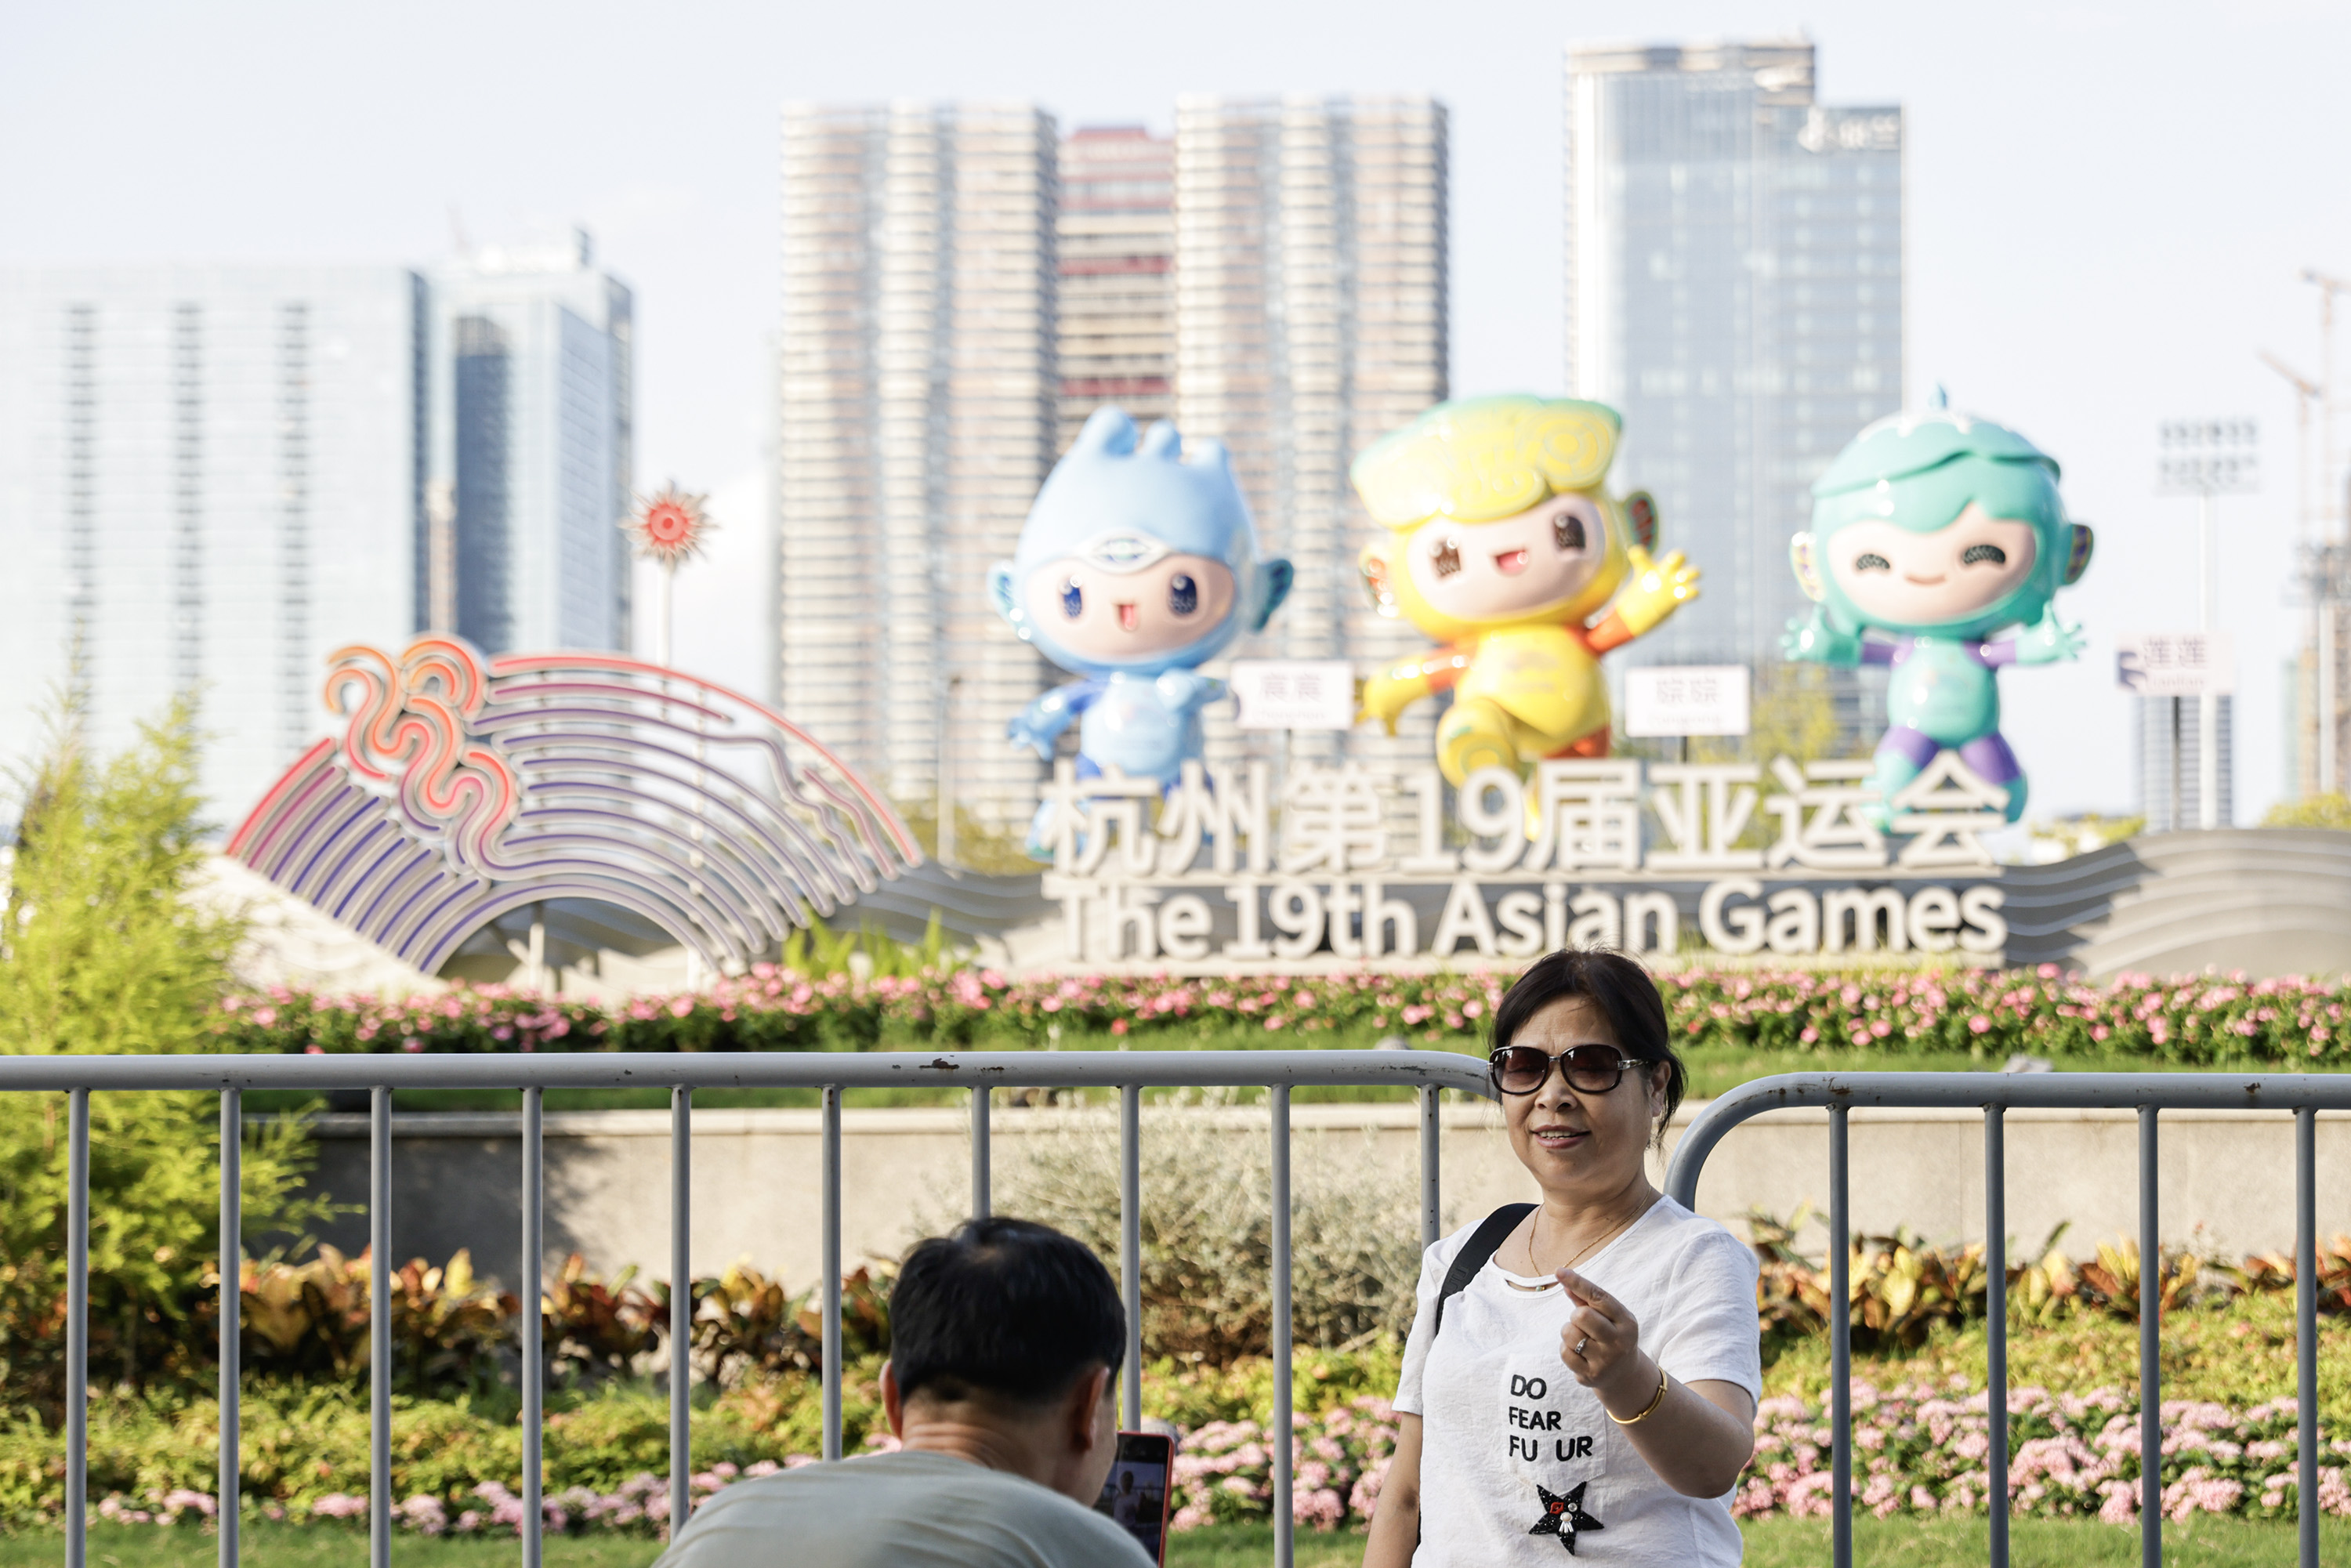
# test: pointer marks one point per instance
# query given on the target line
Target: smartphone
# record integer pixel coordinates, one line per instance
(1134, 1494)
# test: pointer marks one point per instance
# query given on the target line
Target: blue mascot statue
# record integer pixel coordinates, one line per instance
(1136, 568)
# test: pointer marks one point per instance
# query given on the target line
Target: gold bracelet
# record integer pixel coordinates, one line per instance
(1627, 1420)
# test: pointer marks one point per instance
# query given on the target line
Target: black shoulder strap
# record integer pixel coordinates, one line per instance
(1481, 1245)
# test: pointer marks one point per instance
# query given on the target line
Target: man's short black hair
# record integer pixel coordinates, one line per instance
(1622, 992)
(1003, 1308)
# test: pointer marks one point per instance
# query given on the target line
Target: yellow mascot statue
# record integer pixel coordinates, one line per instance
(1504, 544)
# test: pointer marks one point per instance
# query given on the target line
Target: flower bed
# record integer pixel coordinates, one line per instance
(1917, 1451)
(1920, 1450)
(2202, 1020)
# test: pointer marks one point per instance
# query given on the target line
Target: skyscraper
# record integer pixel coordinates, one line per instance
(1311, 319)
(210, 478)
(918, 408)
(531, 417)
(1116, 235)
(1734, 288)
(2167, 739)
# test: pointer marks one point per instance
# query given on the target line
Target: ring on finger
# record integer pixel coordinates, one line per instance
(1581, 1343)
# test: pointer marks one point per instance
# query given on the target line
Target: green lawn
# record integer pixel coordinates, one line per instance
(2038, 1544)
(1775, 1543)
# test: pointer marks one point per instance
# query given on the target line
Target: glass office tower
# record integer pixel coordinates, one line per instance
(210, 478)
(531, 441)
(1734, 288)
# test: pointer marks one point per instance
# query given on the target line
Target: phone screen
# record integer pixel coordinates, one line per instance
(1134, 1494)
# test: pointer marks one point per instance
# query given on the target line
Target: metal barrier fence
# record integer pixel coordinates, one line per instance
(1995, 1093)
(981, 1072)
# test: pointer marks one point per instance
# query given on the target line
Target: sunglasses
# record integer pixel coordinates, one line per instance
(1589, 1069)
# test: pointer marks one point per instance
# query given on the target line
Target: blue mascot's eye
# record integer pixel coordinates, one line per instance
(1868, 561)
(1993, 553)
(1074, 600)
(1183, 594)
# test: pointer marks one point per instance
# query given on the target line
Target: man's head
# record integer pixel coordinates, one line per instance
(1014, 1331)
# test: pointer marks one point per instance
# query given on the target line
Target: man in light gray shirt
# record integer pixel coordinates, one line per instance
(1006, 1340)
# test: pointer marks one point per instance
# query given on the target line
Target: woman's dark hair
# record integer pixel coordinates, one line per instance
(1003, 1308)
(1622, 992)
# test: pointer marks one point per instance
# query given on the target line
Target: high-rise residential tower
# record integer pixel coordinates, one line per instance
(1311, 319)
(532, 418)
(1734, 288)
(2168, 741)
(918, 406)
(210, 478)
(1116, 235)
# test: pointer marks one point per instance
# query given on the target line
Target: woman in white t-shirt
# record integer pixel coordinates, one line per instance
(1591, 1387)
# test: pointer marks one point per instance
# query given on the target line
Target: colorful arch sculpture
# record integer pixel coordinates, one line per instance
(462, 788)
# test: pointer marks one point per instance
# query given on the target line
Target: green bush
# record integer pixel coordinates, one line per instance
(1207, 1237)
(100, 952)
(2329, 810)
(2236, 1351)
(303, 1445)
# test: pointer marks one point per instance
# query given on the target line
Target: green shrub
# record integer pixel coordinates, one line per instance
(1207, 1239)
(100, 952)
(2329, 810)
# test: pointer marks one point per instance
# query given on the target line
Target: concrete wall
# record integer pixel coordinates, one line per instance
(2226, 1182)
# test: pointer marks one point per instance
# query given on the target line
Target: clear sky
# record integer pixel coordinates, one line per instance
(2108, 208)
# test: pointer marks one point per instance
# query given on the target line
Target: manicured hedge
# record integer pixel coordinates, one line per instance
(2190, 1021)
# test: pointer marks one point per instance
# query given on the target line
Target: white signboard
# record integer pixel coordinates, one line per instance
(1294, 694)
(2176, 664)
(1685, 699)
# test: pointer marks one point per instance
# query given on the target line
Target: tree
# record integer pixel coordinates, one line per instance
(101, 953)
(2332, 811)
(1792, 715)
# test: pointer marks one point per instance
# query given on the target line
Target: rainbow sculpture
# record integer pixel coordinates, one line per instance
(462, 788)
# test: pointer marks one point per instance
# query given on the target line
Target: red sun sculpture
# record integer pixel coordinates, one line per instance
(669, 526)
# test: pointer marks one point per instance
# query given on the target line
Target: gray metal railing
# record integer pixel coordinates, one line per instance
(2148, 1093)
(981, 1072)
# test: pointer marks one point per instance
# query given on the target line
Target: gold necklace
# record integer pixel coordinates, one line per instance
(1534, 1234)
